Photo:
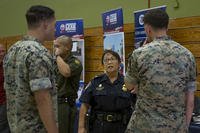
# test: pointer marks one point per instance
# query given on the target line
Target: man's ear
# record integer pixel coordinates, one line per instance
(147, 29)
(45, 24)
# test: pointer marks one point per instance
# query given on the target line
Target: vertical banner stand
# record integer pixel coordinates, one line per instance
(113, 38)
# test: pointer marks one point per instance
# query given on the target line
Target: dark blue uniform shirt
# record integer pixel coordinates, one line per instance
(105, 96)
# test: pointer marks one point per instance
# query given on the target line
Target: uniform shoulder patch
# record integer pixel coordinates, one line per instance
(77, 61)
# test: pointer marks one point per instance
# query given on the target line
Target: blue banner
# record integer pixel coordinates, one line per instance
(113, 21)
(72, 28)
(113, 38)
(140, 34)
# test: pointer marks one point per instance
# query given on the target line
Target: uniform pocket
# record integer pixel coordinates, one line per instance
(123, 100)
(100, 98)
(100, 93)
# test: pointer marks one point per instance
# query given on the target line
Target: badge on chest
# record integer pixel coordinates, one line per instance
(100, 87)
(124, 88)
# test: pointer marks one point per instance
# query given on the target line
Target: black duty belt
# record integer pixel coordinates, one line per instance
(109, 117)
(71, 101)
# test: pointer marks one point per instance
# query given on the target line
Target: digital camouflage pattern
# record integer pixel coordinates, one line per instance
(27, 68)
(162, 70)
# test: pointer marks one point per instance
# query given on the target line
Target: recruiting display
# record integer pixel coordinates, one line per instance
(140, 34)
(113, 37)
(74, 29)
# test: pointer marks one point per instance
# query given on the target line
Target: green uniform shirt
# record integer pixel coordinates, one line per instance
(163, 70)
(68, 87)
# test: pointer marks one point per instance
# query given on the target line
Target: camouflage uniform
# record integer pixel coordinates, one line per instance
(67, 94)
(162, 70)
(27, 68)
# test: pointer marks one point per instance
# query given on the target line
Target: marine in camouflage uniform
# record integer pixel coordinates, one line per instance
(27, 69)
(163, 72)
(160, 69)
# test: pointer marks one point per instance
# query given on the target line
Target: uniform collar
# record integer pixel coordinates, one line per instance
(30, 38)
(163, 38)
(119, 78)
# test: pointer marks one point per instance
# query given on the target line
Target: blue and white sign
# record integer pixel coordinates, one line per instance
(72, 28)
(113, 38)
(140, 34)
(113, 21)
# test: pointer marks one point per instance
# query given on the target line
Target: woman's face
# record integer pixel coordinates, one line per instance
(110, 63)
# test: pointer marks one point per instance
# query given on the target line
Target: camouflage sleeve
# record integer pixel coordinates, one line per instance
(132, 70)
(86, 97)
(39, 73)
(75, 67)
(191, 84)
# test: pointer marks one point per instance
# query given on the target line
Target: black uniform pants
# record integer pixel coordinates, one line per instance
(107, 127)
(66, 117)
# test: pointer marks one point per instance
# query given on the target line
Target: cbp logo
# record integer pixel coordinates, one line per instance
(107, 20)
(62, 28)
(113, 18)
(68, 27)
(141, 17)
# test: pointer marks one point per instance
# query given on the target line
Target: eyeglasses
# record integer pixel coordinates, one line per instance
(111, 60)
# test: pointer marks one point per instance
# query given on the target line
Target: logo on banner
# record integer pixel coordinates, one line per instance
(62, 28)
(69, 27)
(141, 21)
(111, 19)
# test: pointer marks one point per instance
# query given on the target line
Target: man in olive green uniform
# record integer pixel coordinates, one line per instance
(68, 73)
(163, 75)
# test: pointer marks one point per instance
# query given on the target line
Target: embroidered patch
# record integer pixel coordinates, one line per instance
(77, 61)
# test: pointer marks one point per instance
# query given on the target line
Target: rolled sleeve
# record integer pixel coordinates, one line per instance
(132, 71)
(191, 86)
(40, 71)
(130, 79)
(191, 83)
(40, 84)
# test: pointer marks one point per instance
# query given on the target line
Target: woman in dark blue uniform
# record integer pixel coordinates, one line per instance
(107, 98)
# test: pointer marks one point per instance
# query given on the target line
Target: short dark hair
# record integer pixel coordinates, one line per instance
(66, 41)
(157, 18)
(36, 14)
(115, 54)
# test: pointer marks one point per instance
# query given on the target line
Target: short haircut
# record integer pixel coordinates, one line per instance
(115, 54)
(36, 14)
(157, 18)
(65, 40)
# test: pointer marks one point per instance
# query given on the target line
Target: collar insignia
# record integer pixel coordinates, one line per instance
(124, 88)
(100, 87)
